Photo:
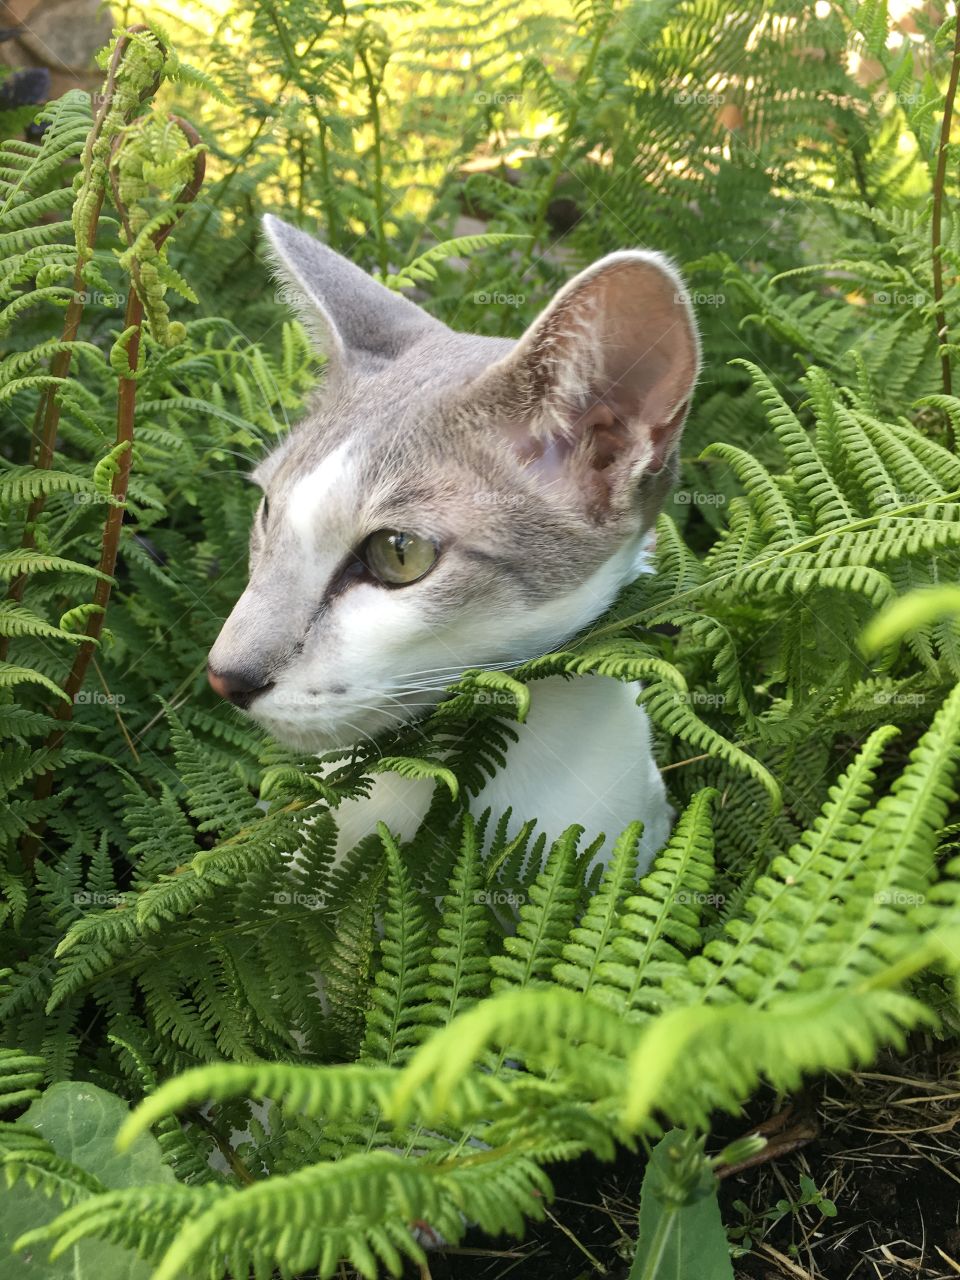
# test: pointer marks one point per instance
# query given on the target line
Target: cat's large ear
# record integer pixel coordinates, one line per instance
(594, 395)
(356, 321)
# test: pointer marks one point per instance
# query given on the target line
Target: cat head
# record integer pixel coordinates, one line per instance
(451, 501)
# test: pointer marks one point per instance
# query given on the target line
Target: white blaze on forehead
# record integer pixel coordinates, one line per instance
(322, 491)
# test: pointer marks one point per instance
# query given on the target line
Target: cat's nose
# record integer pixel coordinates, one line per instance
(237, 687)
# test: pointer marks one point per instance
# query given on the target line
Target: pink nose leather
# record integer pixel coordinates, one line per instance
(218, 683)
(238, 687)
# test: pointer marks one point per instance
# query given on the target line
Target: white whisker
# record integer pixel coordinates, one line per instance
(458, 669)
(363, 706)
(404, 705)
(364, 735)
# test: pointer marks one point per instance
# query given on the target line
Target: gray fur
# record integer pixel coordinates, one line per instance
(359, 323)
(538, 466)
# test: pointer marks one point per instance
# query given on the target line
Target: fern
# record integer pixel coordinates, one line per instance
(416, 1031)
(798, 979)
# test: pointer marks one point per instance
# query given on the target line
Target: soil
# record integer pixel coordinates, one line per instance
(886, 1154)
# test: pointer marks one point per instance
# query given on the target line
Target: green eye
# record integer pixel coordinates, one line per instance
(397, 557)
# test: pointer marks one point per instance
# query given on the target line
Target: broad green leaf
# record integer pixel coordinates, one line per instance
(681, 1234)
(80, 1121)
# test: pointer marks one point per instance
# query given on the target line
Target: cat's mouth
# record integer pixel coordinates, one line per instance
(312, 722)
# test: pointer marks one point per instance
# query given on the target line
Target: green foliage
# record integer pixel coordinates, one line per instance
(680, 1229)
(559, 1060)
(757, 1224)
(59, 1153)
(329, 1051)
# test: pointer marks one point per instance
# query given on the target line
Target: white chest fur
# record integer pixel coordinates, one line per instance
(582, 756)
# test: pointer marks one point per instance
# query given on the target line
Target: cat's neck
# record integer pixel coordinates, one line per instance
(583, 756)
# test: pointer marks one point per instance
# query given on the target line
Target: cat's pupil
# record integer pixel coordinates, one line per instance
(399, 543)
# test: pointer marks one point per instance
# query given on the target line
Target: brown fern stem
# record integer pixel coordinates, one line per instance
(110, 540)
(47, 420)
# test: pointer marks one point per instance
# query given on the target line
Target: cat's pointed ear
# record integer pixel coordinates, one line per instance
(356, 321)
(596, 391)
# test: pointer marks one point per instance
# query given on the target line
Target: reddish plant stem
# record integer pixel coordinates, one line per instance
(109, 548)
(110, 541)
(47, 420)
(110, 544)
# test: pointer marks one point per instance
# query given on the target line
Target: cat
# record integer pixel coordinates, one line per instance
(454, 501)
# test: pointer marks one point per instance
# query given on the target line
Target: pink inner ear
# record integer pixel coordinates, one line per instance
(596, 440)
(600, 436)
(602, 379)
(627, 332)
(645, 353)
(664, 437)
(545, 456)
